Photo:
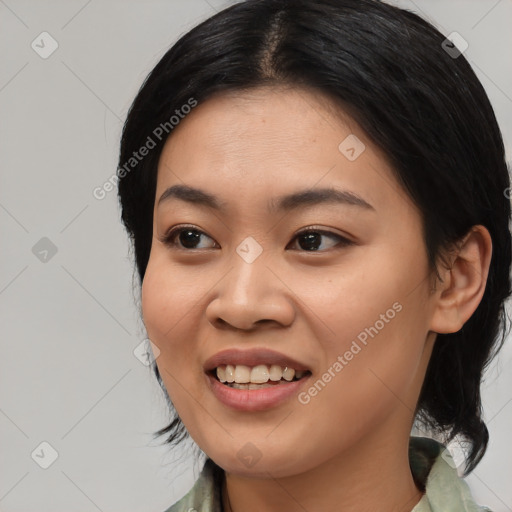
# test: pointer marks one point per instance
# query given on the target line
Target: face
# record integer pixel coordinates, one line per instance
(334, 286)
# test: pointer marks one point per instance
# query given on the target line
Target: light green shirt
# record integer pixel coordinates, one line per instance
(431, 466)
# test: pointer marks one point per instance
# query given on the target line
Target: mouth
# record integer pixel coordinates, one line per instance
(257, 377)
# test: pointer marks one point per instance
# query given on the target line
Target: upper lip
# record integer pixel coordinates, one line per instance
(252, 357)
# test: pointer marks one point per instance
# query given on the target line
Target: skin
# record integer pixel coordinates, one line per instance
(348, 447)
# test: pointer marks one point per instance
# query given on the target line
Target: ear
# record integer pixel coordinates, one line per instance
(458, 295)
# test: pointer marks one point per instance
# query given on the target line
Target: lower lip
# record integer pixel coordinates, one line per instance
(254, 399)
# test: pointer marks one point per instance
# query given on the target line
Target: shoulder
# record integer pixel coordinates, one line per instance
(433, 468)
(205, 494)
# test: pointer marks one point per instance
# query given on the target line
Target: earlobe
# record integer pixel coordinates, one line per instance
(464, 282)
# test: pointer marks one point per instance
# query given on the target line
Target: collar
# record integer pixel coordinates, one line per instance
(432, 467)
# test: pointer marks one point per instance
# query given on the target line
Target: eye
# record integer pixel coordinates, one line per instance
(310, 239)
(188, 237)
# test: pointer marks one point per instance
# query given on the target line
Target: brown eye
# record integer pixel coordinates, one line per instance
(311, 239)
(184, 238)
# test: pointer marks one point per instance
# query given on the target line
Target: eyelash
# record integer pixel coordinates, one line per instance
(171, 234)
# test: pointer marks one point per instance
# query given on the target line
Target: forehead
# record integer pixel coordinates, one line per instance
(264, 141)
(273, 120)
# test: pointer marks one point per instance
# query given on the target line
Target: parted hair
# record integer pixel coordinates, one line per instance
(415, 97)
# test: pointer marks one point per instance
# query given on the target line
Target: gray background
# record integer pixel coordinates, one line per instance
(69, 376)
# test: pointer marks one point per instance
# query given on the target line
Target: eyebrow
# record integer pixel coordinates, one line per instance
(293, 201)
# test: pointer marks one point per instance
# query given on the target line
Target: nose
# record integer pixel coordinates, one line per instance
(251, 296)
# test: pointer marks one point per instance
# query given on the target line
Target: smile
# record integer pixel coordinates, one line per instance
(251, 396)
(257, 377)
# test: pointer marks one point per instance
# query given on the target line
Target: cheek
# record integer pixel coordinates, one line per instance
(167, 309)
(378, 323)
(364, 384)
(353, 299)
(171, 308)
(167, 306)
(166, 301)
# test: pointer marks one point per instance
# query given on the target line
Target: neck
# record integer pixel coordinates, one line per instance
(367, 477)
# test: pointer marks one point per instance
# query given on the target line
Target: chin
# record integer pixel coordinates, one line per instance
(250, 462)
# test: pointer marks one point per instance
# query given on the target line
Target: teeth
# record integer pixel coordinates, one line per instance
(221, 373)
(230, 373)
(260, 374)
(250, 386)
(288, 373)
(275, 372)
(242, 374)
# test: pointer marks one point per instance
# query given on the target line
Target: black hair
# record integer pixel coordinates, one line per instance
(417, 99)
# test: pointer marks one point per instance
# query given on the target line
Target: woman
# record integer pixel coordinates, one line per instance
(316, 194)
